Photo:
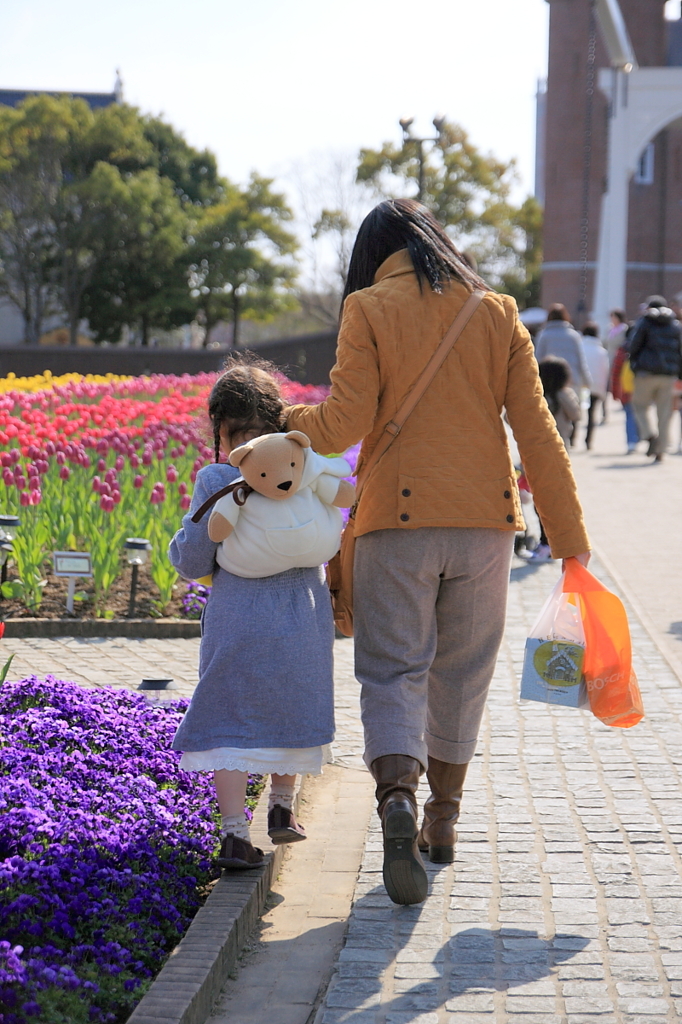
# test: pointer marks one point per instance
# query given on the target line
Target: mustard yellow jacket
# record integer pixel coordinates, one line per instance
(450, 465)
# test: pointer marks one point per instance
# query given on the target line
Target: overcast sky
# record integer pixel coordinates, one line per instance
(272, 83)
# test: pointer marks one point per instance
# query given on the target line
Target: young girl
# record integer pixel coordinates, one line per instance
(562, 400)
(264, 700)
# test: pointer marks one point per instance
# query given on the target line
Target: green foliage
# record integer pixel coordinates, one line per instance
(242, 256)
(108, 213)
(468, 191)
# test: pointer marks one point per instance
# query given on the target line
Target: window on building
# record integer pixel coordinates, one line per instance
(644, 175)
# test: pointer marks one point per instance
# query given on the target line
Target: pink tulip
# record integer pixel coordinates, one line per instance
(119, 464)
(16, 454)
(61, 458)
(185, 501)
(134, 461)
(34, 483)
(32, 470)
(138, 481)
(193, 475)
(7, 477)
(116, 496)
(182, 488)
(171, 474)
(64, 473)
(24, 499)
(34, 497)
(101, 466)
(146, 458)
(5, 459)
(96, 483)
(20, 482)
(106, 503)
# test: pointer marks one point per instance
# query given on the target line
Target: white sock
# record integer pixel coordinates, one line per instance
(281, 794)
(236, 824)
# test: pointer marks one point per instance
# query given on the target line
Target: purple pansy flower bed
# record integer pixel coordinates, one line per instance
(105, 849)
(194, 600)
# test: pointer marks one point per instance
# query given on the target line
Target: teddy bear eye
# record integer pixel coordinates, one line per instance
(293, 463)
(262, 474)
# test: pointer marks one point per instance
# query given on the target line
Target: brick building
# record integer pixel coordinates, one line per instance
(575, 157)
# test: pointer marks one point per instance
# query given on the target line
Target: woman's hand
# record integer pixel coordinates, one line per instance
(582, 558)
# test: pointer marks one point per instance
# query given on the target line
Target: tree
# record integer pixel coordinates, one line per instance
(468, 191)
(242, 256)
(34, 141)
(332, 204)
(142, 281)
(95, 210)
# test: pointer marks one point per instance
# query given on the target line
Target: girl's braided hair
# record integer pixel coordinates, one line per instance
(247, 394)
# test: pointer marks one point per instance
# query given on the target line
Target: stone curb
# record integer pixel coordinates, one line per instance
(188, 985)
(153, 629)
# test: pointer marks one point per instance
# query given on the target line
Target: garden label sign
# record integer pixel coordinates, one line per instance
(72, 564)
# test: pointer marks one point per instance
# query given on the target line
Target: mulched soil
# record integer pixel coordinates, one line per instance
(53, 605)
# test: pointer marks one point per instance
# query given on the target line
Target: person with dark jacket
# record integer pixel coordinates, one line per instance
(655, 348)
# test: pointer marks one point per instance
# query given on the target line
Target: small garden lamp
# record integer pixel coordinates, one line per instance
(8, 531)
(158, 691)
(137, 552)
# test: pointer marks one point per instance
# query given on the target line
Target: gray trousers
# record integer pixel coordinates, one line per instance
(653, 388)
(429, 613)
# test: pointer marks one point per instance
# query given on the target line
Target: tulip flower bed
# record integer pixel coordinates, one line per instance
(88, 462)
(105, 849)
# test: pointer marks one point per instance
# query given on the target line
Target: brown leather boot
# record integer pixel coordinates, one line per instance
(397, 778)
(441, 810)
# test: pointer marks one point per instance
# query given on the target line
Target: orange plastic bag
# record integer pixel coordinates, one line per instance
(612, 685)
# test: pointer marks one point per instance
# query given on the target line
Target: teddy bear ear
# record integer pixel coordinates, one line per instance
(299, 438)
(237, 454)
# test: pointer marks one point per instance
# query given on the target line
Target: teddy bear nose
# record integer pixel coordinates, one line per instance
(285, 486)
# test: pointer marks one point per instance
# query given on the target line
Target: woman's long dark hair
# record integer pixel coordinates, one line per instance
(406, 224)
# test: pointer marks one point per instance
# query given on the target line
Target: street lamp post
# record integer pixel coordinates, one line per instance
(406, 124)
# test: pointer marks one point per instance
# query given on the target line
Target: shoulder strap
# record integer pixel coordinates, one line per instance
(393, 428)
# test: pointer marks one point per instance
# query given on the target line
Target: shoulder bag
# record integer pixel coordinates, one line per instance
(340, 568)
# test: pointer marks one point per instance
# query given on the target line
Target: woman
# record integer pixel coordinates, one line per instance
(436, 522)
(558, 338)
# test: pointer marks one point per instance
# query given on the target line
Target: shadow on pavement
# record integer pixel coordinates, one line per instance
(675, 629)
(462, 975)
(522, 572)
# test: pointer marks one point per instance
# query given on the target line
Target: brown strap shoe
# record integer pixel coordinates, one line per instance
(239, 855)
(283, 827)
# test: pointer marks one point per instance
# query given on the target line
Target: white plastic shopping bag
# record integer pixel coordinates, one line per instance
(555, 649)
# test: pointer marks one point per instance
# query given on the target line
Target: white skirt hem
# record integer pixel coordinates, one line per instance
(260, 761)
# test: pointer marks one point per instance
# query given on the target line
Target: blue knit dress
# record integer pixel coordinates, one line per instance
(265, 663)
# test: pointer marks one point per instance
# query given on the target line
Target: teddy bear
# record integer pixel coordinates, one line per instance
(284, 512)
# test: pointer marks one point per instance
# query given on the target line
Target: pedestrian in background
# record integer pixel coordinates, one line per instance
(617, 333)
(655, 347)
(597, 359)
(560, 339)
(621, 387)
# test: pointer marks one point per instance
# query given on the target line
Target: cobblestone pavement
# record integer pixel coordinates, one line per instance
(564, 905)
(100, 661)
